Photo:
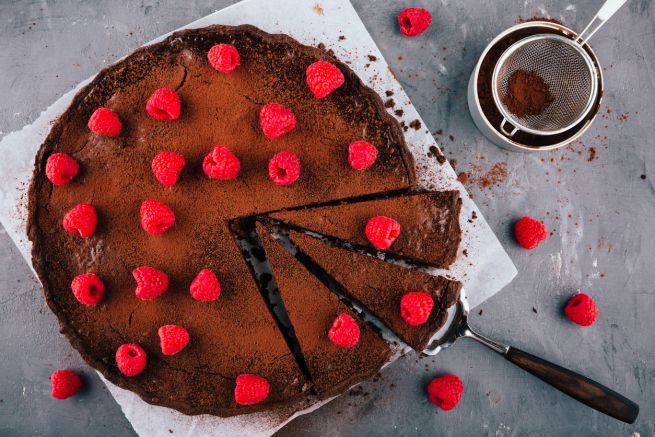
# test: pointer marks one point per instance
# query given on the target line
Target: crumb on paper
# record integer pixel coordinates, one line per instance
(318, 9)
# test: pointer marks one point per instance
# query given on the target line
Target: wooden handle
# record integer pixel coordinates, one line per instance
(577, 386)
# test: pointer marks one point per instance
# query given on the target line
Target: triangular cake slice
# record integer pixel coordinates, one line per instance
(429, 224)
(379, 286)
(312, 309)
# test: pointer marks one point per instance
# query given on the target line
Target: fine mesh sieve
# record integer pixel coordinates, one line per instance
(568, 73)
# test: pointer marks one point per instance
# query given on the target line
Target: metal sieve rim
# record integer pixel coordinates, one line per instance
(509, 117)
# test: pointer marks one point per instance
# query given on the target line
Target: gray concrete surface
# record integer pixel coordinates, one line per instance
(601, 213)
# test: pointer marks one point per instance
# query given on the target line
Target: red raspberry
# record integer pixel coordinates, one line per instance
(61, 168)
(361, 155)
(446, 391)
(382, 231)
(581, 309)
(250, 389)
(414, 21)
(104, 121)
(205, 287)
(131, 359)
(65, 383)
(530, 232)
(81, 220)
(150, 283)
(284, 168)
(167, 167)
(323, 78)
(156, 217)
(415, 307)
(276, 120)
(164, 104)
(344, 331)
(173, 339)
(224, 57)
(88, 288)
(221, 163)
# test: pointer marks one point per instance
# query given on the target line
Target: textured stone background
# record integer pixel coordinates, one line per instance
(600, 210)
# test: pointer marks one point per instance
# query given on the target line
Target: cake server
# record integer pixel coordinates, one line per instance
(568, 382)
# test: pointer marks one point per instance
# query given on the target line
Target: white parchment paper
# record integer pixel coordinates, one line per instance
(485, 269)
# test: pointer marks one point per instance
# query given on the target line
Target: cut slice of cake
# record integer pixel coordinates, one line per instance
(313, 310)
(379, 286)
(429, 224)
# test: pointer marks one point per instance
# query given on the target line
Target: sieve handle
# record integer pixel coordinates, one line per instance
(605, 13)
(504, 130)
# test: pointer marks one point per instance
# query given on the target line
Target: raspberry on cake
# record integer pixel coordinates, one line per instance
(156, 218)
(172, 339)
(130, 359)
(361, 155)
(323, 78)
(65, 383)
(284, 168)
(250, 389)
(415, 307)
(104, 121)
(344, 331)
(150, 282)
(81, 220)
(61, 168)
(382, 231)
(167, 166)
(414, 21)
(224, 57)
(205, 286)
(276, 120)
(446, 391)
(164, 104)
(221, 163)
(88, 288)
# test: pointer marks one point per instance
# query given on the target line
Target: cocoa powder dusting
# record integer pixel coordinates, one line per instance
(495, 176)
(527, 94)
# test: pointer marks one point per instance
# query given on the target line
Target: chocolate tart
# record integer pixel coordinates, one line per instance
(236, 333)
(378, 286)
(312, 308)
(429, 224)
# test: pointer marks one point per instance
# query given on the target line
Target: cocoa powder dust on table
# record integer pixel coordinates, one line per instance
(527, 94)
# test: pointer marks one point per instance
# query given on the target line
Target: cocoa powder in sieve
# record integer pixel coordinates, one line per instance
(527, 94)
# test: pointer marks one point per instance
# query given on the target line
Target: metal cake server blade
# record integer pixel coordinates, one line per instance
(579, 387)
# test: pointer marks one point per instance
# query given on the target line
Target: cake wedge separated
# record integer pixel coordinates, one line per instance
(379, 287)
(339, 349)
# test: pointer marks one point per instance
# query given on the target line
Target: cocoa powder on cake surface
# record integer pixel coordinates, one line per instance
(235, 334)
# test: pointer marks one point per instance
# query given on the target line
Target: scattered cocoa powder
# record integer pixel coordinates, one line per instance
(453, 163)
(389, 103)
(399, 112)
(592, 154)
(463, 177)
(372, 58)
(416, 124)
(527, 94)
(495, 176)
(437, 154)
(643, 176)
(389, 93)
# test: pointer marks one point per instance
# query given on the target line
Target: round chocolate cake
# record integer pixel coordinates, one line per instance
(157, 237)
